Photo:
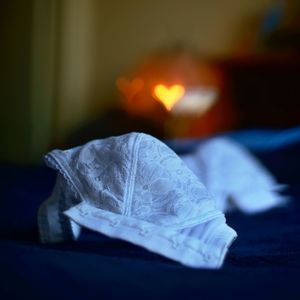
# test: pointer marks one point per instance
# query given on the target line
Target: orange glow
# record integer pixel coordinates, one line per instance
(169, 96)
(130, 88)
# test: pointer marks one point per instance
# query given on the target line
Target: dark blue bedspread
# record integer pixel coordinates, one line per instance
(263, 263)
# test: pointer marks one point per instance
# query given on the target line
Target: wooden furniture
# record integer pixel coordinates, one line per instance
(265, 89)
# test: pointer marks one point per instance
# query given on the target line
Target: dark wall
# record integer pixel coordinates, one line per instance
(15, 51)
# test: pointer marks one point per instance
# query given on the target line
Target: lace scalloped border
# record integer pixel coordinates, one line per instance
(53, 163)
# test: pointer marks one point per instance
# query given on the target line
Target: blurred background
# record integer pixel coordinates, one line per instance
(75, 70)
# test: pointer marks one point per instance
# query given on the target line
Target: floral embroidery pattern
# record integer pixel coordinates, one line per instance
(162, 191)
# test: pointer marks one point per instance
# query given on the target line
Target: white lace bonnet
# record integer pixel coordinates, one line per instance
(135, 188)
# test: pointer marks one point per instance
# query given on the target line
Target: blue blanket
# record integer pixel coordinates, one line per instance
(263, 263)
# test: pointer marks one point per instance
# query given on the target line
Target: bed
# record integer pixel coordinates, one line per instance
(263, 263)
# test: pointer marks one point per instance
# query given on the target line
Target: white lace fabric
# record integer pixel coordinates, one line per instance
(133, 187)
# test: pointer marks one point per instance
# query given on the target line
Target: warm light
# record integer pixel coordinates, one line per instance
(196, 101)
(169, 96)
(130, 88)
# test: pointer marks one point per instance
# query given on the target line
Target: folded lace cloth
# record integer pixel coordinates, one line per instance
(135, 188)
(234, 177)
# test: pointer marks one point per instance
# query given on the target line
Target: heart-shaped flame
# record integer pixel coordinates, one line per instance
(130, 88)
(169, 96)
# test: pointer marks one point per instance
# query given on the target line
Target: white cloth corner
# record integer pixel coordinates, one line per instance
(234, 177)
